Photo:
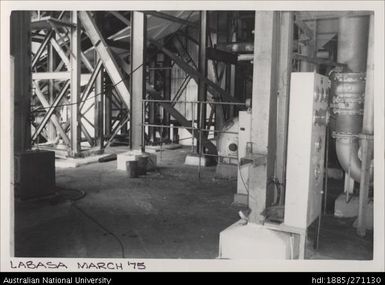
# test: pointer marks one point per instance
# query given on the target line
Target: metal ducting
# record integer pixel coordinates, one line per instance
(348, 89)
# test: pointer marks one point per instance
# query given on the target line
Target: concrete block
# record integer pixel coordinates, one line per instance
(34, 174)
(122, 158)
(346, 210)
(226, 171)
(193, 159)
(133, 155)
(252, 241)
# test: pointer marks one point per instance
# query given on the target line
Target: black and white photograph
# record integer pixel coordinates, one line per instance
(166, 135)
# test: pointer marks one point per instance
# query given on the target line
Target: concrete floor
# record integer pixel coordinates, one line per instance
(169, 213)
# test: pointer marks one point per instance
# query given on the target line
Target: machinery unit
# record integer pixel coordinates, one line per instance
(34, 174)
(243, 143)
(306, 148)
(227, 145)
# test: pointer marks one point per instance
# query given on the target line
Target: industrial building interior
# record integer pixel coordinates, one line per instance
(193, 134)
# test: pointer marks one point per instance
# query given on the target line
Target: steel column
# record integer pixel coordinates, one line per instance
(138, 88)
(51, 131)
(98, 119)
(202, 67)
(75, 63)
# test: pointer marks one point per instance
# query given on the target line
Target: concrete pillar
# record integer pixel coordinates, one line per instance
(138, 64)
(264, 109)
(284, 72)
(21, 51)
(367, 137)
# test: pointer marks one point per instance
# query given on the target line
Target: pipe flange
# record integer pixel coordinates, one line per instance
(348, 112)
(348, 77)
(341, 135)
(349, 99)
(366, 137)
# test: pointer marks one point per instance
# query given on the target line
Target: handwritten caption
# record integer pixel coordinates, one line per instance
(79, 265)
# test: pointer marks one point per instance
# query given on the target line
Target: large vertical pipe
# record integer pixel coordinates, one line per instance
(352, 42)
(367, 136)
(349, 90)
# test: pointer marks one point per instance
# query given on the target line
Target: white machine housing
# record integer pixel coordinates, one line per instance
(308, 116)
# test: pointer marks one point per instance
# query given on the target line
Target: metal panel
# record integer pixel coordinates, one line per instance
(306, 148)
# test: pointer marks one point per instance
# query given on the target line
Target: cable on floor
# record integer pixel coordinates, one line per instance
(81, 195)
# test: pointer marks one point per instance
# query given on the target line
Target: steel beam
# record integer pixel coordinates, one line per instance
(51, 110)
(98, 119)
(53, 117)
(221, 55)
(138, 44)
(90, 84)
(213, 88)
(75, 63)
(181, 119)
(51, 132)
(60, 52)
(106, 56)
(172, 18)
(202, 87)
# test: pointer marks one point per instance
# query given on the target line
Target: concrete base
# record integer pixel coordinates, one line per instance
(132, 155)
(193, 159)
(241, 199)
(226, 171)
(76, 162)
(254, 241)
(346, 210)
(369, 217)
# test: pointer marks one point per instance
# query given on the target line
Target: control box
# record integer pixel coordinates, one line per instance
(308, 117)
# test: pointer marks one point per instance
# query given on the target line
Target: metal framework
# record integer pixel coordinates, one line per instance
(89, 82)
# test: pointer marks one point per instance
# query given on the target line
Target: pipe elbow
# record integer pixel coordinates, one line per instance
(347, 154)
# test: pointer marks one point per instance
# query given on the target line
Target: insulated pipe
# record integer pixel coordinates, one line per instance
(353, 42)
(349, 89)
